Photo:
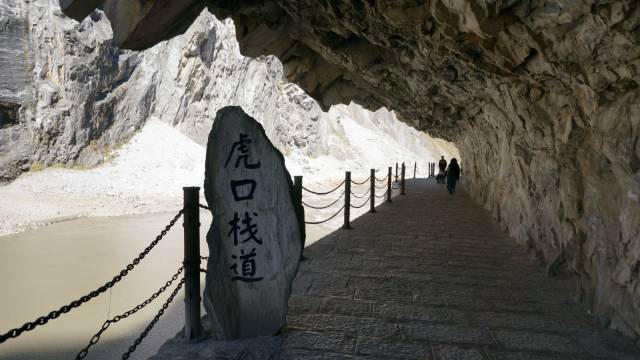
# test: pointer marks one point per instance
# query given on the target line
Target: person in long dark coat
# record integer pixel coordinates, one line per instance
(453, 174)
(442, 164)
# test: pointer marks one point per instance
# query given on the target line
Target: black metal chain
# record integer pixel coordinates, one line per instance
(382, 195)
(203, 270)
(94, 340)
(325, 206)
(326, 192)
(383, 179)
(362, 182)
(324, 221)
(361, 196)
(363, 204)
(380, 187)
(204, 206)
(14, 333)
(153, 322)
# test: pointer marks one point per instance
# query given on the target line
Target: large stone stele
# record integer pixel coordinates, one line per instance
(255, 237)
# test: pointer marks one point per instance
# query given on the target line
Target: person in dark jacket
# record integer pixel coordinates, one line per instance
(453, 174)
(442, 164)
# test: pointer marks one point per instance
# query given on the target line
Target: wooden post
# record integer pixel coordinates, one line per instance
(402, 181)
(396, 172)
(415, 167)
(372, 206)
(389, 185)
(192, 326)
(297, 191)
(347, 200)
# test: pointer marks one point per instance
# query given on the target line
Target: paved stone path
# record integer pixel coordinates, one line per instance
(429, 276)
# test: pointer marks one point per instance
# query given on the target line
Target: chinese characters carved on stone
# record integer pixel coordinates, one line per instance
(244, 231)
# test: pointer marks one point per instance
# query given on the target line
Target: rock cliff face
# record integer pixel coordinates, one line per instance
(202, 71)
(69, 96)
(56, 87)
(541, 96)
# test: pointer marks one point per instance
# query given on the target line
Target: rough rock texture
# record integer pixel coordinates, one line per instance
(181, 82)
(65, 80)
(541, 96)
(195, 75)
(255, 239)
(69, 96)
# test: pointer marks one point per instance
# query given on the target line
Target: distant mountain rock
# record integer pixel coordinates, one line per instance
(70, 96)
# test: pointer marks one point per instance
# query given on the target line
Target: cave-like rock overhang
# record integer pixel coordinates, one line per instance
(433, 62)
(541, 96)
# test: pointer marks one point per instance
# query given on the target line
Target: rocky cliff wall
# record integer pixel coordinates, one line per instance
(63, 80)
(541, 95)
(202, 71)
(69, 96)
(562, 175)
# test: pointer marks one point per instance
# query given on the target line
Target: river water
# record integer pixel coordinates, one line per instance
(41, 270)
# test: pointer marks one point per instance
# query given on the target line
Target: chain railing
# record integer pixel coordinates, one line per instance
(383, 186)
(361, 195)
(14, 333)
(369, 195)
(361, 205)
(325, 220)
(188, 274)
(325, 192)
(153, 322)
(323, 206)
(381, 195)
(361, 182)
(94, 340)
(117, 278)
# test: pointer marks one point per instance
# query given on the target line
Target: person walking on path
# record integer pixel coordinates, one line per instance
(453, 174)
(442, 164)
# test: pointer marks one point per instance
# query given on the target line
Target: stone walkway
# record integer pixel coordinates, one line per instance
(429, 276)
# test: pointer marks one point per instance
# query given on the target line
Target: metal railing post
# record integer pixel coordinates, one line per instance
(402, 181)
(389, 185)
(299, 209)
(192, 326)
(347, 200)
(415, 167)
(396, 172)
(372, 207)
